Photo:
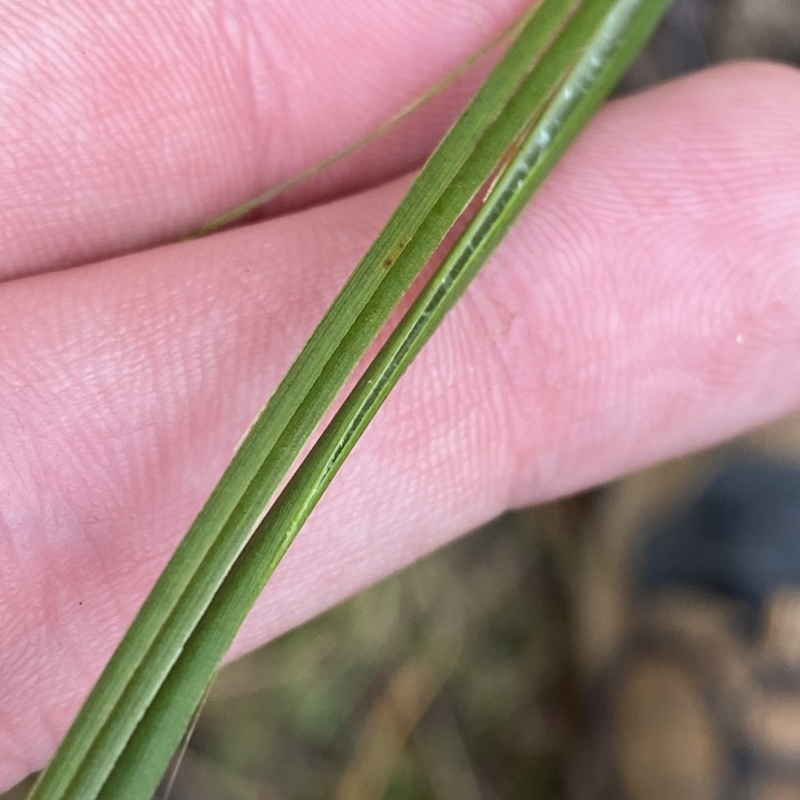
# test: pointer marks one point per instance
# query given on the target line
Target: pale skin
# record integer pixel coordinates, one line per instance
(647, 304)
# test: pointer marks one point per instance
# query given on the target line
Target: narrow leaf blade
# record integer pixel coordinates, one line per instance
(617, 35)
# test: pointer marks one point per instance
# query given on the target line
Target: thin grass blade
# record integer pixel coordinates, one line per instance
(204, 556)
(623, 28)
(241, 211)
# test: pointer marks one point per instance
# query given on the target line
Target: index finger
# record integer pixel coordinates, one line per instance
(124, 125)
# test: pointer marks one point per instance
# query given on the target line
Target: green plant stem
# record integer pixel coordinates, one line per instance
(204, 556)
(159, 696)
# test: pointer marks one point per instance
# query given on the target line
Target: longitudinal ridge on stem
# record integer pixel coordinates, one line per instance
(566, 59)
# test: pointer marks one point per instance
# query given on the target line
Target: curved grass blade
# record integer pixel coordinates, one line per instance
(204, 556)
(626, 24)
(242, 210)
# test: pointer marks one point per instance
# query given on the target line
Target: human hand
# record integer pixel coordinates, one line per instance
(647, 304)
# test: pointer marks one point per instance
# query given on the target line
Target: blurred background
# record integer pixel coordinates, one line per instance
(641, 641)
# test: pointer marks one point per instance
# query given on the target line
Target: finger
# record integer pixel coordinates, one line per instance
(648, 304)
(124, 126)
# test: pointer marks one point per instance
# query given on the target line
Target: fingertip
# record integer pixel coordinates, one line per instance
(654, 285)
